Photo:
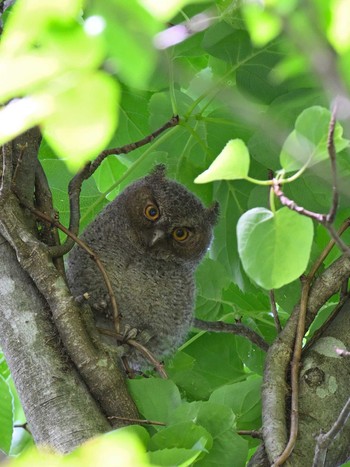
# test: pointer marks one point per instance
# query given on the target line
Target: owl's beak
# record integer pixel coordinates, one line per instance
(157, 235)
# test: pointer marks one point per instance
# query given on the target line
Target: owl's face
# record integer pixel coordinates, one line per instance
(167, 221)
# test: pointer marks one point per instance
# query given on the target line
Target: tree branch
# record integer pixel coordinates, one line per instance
(278, 357)
(58, 406)
(325, 440)
(75, 184)
(238, 328)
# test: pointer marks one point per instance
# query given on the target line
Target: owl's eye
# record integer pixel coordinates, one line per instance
(180, 234)
(151, 212)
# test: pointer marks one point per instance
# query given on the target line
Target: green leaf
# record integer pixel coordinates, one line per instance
(263, 26)
(215, 362)
(274, 247)
(129, 33)
(83, 118)
(255, 77)
(244, 398)
(21, 114)
(182, 435)
(307, 144)
(4, 369)
(25, 72)
(219, 421)
(91, 200)
(175, 456)
(228, 44)
(17, 36)
(155, 398)
(6, 416)
(166, 10)
(231, 164)
(109, 172)
(127, 445)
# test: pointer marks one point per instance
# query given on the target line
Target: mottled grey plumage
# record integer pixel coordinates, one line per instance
(139, 238)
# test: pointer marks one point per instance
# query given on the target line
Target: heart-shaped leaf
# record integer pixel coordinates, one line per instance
(231, 164)
(274, 247)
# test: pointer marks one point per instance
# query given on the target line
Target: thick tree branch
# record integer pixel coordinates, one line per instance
(99, 371)
(275, 388)
(59, 408)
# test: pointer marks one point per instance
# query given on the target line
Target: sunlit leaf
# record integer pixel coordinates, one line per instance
(23, 73)
(274, 247)
(17, 36)
(263, 26)
(129, 33)
(231, 164)
(307, 144)
(21, 114)
(165, 10)
(84, 118)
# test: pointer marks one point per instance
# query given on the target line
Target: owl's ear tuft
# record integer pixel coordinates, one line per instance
(159, 172)
(213, 213)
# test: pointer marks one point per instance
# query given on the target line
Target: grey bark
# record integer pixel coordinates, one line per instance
(324, 390)
(59, 408)
(275, 387)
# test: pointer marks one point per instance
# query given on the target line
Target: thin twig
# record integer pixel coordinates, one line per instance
(236, 328)
(136, 420)
(252, 433)
(75, 184)
(274, 311)
(289, 203)
(324, 441)
(132, 146)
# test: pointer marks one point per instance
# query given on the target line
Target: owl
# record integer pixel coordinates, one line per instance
(150, 240)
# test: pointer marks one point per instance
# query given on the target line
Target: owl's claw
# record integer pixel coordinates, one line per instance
(129, 333)
(132, 333)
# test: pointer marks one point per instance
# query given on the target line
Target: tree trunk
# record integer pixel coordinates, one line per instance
(59, 408)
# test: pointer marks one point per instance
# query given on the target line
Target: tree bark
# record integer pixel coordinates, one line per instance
(324, 389)
(59, 408)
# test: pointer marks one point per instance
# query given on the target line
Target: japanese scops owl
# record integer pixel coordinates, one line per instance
(150, 240)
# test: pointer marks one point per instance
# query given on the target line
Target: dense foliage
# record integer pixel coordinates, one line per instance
(252, 95)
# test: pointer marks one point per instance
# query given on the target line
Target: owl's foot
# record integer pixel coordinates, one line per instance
(133, 333)
(101, 306)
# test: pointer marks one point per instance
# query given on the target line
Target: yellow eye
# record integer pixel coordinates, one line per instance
(180, 234)
(151, 212)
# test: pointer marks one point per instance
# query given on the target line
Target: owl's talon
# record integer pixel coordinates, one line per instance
(102, 305)
(143, 337)
(129, 333)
